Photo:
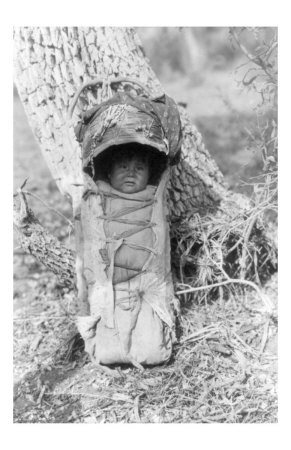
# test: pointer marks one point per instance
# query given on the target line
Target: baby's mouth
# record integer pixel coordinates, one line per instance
(129, 182)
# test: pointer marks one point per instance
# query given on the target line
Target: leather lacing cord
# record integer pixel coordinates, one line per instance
(132, 301)
(140, 224)
(134, 309)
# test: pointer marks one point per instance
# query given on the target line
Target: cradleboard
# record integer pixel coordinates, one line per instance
(125, 248)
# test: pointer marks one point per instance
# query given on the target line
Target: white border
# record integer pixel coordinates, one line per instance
(146, 13)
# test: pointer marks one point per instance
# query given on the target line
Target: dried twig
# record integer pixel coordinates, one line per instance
(47, 206)
(265, 300)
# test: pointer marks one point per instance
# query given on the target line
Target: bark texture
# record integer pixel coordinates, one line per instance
(52, 63)
(47, 249)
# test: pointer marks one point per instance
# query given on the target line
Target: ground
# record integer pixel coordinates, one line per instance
(223, 368)
(224, 365)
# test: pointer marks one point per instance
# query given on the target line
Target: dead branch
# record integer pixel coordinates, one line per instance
(37, 241)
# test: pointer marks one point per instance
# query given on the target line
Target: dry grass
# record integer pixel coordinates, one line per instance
(223, 368)
(233, 243)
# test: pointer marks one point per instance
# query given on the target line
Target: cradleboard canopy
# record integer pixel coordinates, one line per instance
(126, 247)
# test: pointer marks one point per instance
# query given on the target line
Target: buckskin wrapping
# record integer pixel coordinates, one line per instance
(126, 243)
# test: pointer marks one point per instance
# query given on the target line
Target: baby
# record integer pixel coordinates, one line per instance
(128, 192)
(130, 168)
(130, 171)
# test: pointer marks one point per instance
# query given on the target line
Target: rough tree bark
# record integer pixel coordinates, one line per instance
(52, 63)
(48, 250)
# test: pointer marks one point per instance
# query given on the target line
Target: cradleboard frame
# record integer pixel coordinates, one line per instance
(129, 321)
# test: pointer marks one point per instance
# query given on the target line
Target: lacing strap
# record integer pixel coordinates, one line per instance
(131, 302)
(128, 302)
(140, 224)
(116, 217)
(125, 267)
(113, 195)
(87, 193)
(129, 209)
(128, 221)
(132, 245)
(130, 277)
(139, 247)
(135, 230)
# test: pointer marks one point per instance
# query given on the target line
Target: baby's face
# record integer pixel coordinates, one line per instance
(129, 175)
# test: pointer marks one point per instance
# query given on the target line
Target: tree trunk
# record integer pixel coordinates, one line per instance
(51, 64)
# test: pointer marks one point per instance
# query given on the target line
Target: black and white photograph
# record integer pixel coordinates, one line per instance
(145, 200)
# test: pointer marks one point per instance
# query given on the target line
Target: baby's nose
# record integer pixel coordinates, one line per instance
(131, 170)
